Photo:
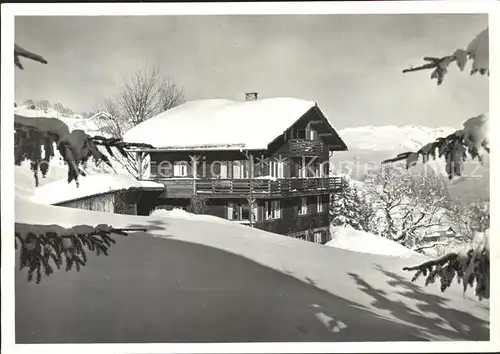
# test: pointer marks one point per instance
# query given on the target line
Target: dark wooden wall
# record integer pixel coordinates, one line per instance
(118, 202)
(290, 221)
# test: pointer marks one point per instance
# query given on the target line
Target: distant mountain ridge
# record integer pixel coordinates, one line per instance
(391, 137)
(370, 145)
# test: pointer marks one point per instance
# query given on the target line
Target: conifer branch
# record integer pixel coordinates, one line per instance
(21, 52)
(43, 247)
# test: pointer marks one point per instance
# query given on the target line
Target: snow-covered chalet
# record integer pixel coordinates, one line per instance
(261, 162)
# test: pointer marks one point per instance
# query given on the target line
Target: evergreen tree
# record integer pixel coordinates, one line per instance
(349, 208)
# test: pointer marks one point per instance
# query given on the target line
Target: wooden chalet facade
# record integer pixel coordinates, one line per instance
(284, 187)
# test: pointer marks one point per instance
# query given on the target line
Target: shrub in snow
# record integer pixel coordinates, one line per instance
(197, 205)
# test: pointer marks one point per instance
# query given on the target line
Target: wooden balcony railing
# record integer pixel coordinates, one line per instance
(178, 187)
(304, 147)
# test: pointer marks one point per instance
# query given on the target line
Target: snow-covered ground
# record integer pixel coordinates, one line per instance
(350, 239)
(178, 213)
(174, 282)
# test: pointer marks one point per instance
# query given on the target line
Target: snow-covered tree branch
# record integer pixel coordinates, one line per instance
(473, 264)
(43, 247)
(21, 52)
(470, 266)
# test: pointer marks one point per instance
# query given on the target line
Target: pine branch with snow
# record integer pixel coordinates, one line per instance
(43, 247)
(472, 264)
(471, 141)
(20, 52)
(471, 267)
(477, 51)
(35, 139)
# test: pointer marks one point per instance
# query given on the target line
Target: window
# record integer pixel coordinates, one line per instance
(318, 237)
(240, 169)
(313, 134)
(180, 169)
(276, 169)
(231, 211)
(241, 212)
(272, 210)
(303, 206)
(319, 204)
(223, 170)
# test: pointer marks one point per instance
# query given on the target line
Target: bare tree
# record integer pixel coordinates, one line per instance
(59, 108)
(43, 105)
(469, 218)
(111, 122)
(147, 93)
(408, 204)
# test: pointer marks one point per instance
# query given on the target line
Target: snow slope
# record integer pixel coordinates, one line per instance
(93, 184)
(198, 281)
(348, 238)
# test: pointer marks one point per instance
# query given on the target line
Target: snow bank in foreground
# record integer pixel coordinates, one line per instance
(61, 191)
(196, 289)
(360, 241)
(178, 213)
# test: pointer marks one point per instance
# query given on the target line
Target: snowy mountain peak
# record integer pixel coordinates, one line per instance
(391, 137)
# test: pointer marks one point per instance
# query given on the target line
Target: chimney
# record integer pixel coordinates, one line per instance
(251, 96)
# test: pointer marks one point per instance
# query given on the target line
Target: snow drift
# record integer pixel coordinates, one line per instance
(172, 283)
(178, 213)
(350, 239)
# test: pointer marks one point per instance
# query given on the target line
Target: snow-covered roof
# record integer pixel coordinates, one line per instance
(222, 123)
(61, 191)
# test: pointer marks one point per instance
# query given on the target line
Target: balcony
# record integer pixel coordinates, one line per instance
(303, 147)
(259, 188)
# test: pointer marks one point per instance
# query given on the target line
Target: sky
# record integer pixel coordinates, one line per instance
(351, 65)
